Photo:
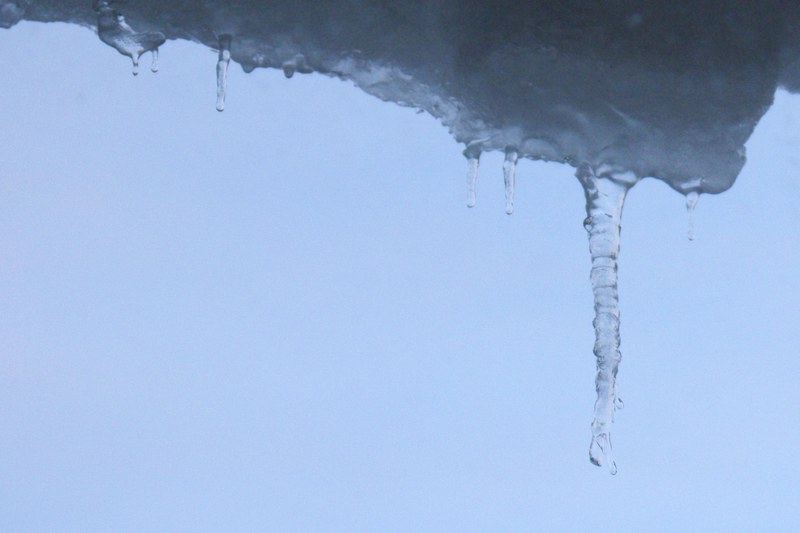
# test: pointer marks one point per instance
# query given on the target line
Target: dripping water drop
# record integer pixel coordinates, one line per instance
(509, 173)
(619, 405)
(223, 61)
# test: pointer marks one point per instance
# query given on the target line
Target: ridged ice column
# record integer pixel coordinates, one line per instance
(605, 196)
(223, 61)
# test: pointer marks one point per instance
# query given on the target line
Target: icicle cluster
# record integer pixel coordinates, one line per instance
(115, 32)
(473, 155)
(605, 189)
(555, 114)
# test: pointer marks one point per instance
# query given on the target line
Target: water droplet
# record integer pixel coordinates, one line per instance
(619, 405)
(223, 61)
(691, 202)
(288, 69)
(509, 172)
(154, 64)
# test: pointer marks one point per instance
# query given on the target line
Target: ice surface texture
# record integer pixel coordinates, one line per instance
(621, 90)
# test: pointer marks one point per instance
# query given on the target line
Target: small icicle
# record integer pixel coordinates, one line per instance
(288, 69)
(509, 173)
(296, 64)
(605, 197)
(691, 202)
(473, 162)
(135, 59)
(154, 64)
(222, 69)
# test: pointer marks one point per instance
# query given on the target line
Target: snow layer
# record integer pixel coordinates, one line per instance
(670, 90)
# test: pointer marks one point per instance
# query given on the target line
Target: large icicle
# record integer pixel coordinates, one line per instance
(222, 69)
(605, 196)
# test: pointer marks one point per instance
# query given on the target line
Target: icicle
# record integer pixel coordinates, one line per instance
(115, 32)
(222, 69)
(604, 200)
(154, 64)
(296, 64)
(473, 162)
(509, 172)
(135, 59)
(691, 202)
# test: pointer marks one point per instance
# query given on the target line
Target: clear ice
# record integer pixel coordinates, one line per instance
(509, 172)
(222, 69)
(691, 203)
(154, 64)
(115, 32)
(605, 196)
(473, 162)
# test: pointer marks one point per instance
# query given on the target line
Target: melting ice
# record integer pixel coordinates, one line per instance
(473, 162)
(223, 61)
(619, 90)
(115, 32)
(605, 192)
(509, 176)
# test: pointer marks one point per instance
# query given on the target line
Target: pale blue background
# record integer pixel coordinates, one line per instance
(283, 317)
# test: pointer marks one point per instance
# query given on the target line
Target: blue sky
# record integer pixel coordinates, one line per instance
(283, 317)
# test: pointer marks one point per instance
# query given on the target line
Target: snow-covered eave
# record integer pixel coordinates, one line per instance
(633, 86)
